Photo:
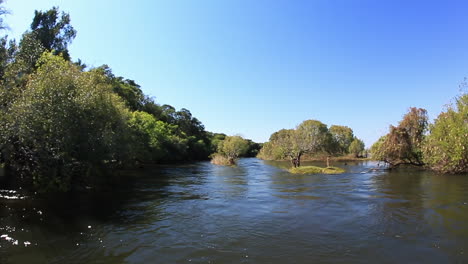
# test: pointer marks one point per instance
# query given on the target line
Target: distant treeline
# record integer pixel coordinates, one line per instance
(62, 124)
(313, 138)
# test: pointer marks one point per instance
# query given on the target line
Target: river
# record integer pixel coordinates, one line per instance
(253, 213)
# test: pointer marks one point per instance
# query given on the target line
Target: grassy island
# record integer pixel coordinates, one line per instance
(316, 170)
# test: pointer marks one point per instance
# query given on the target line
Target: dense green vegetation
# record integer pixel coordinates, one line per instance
(442, 146)
(446, 147)
(62, 126)
(230, 149)
(311, 137)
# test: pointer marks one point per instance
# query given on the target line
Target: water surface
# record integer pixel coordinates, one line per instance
(253, 213)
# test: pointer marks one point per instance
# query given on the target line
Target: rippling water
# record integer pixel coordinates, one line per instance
(253, 213)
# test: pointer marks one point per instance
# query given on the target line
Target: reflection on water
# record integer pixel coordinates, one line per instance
(253, 213)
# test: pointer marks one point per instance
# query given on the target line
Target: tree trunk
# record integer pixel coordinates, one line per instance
(328, 161)
(293, 162)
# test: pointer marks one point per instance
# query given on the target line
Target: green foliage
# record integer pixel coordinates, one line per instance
(310, 137)
(313, 137)
(253, 148)
(63, 124)
(230, 149)
(376, 149)
(403, 144)
(129, 90)
(356, 147)
(216, 138)
(7, 53)
(316, 170)
(446, 147)
(287, 144)
(270, 151)
(233, 147)
(53, 30)
(343, 137)
(152, 139)
(60, 124)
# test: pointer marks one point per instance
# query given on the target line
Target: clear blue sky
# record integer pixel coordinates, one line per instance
(254, 67)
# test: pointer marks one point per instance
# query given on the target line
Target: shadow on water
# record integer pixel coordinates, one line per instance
(255, 212)
(63, 223)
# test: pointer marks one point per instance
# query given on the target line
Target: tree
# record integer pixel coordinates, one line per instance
(313, 137)
(64, 125)
(127, 89)
(154, 140)
(342, 136)
(215, 139)
(53, 30)
(8, 51)
(289, 145)
(403, 144)
(253, 149)
(446, 147)
(310, 137)
(376, 149)
(356, 147)
(233, 147)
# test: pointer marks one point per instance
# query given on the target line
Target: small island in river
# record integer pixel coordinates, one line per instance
(316, 170)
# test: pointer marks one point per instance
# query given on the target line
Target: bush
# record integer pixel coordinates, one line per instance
(219, 159)
(62, 125)
(446, 147)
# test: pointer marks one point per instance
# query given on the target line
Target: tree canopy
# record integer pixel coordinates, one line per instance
(446, 147)
(403, 144)
(61, 124)
(311, 137)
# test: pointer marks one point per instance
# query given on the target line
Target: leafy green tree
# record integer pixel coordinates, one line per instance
(154, 140)
(215, 139)
(253, 149)
(289, 145)
(7, 53)
(376, 149)
(313, 137)
(356, 147)
(64, 125)
(129, 90)
(446, 147)
(53, 30)
(233, 147)
(310, 137)
(342, 136)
